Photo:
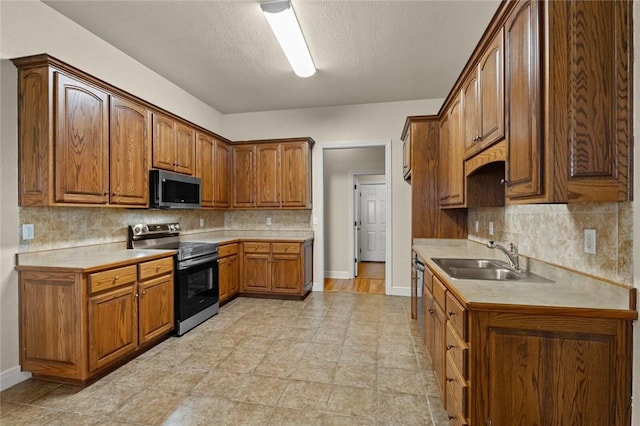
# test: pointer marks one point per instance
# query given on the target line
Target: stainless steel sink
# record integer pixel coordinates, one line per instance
(484, 269)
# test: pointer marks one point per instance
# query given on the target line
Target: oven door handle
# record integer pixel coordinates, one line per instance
(197, 261)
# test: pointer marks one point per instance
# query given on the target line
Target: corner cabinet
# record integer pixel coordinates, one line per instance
(277, 268)
(76, 326)
(508, 364)
(568, 73)
(272, 174)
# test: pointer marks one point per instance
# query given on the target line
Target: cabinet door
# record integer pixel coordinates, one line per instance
(164, 142)
(256, 272)
(81, 143)
(286, 273)
(222, 175)
(444, 157)
(244, 181)
(185, 149)
(155, 307)
(129, 147)
(439, 342)
(205, 147)
(456, 155)
(522, 82)
(491, 93)
(268, 175)
(470, 126)
(113, 326)
(296, 175)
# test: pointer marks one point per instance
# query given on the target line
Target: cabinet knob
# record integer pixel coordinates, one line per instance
(157, 268)
(505, 182)
(449, 347)
(449, 379)
(450, 417)
(431, 311)
(451, 313)
(116, 278)
(105, 193)
(144, 292)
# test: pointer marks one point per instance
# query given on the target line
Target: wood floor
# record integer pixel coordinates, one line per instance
(370, 280)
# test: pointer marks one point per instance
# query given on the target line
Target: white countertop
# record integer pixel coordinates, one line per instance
(226, 236)
(568, 289)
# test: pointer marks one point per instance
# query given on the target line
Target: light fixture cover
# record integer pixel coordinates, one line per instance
(285, 27)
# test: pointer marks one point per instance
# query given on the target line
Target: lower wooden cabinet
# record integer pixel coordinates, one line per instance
(277, 268)
(228, 271)
(506, 365)
(75, 326)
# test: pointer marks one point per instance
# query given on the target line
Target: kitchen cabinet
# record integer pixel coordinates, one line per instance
(282, 268)
(81, 142)
(77, 325)
(483, 100)
(130, 126)
(512, 364)
(452, 145)
(213, 168)
(173, 145)
(244, 181)
(272, 174)
(569, 104)
(228, 272)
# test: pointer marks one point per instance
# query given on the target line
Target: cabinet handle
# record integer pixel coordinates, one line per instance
(157, 268)
(449, 347)
(136, 294)
(144, 292)
(116, 278)
(449, 379)
(431, 311)
(450, 417)
(451, 313)
(113, 194)
(105, 193)
(505, 182)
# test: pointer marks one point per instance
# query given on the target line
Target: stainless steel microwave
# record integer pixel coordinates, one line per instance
(168, 190)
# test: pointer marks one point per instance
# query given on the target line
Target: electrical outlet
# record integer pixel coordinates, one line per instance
(28, 231)
(490, 228)
(201, 223)
(590, 241)
(477, 226)
(268, 221)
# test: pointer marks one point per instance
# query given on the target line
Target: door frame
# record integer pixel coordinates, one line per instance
(352, 212)
(318, 208)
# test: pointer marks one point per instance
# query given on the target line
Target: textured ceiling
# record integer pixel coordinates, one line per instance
(223, 52)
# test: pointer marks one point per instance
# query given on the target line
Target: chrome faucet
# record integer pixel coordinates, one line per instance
(512, 254)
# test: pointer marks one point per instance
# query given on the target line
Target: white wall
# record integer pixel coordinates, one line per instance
(28, 28)
(338, 188)
(350, 125)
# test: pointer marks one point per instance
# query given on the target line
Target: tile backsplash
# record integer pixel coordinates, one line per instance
(64, 227)
(554, 233)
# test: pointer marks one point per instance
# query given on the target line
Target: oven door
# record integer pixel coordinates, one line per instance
(196, 286)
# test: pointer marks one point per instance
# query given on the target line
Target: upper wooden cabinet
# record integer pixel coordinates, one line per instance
(129, 152)
(272, 174)
(483, 100)
(173, 145)
(74, 148)
(569, 103)
(213, 167)
(452, 146)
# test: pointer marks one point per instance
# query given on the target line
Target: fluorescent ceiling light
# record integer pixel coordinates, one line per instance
(284, 25)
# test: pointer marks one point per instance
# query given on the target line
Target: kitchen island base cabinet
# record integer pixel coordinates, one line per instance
(277, 269)
(77, 326)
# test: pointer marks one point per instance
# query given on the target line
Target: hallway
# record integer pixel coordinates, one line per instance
(370, 280)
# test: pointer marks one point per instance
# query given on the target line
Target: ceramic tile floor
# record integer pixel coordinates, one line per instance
(333, 359)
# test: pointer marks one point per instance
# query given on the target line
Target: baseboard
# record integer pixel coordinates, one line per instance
(317, 287)
(12, 376)
(340, 275)
(400, 291)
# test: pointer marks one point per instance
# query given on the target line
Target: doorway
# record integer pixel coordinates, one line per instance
(347, 171)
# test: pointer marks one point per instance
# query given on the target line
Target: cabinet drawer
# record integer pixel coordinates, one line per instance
(457, 315)
(228, 250)
(457, 349)
(112, 278)
(256, 247)
(155, 268)
(456, 389)
(439, 292)
(290, 248)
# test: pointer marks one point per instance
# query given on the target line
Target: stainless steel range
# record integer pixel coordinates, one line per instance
(196, 271)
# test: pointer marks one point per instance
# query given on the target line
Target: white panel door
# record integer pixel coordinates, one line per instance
(373, 208)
